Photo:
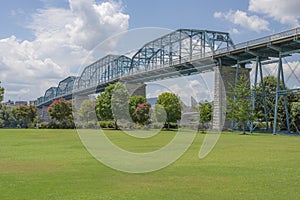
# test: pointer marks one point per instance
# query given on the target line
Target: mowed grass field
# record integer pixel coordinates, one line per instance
(53, 164)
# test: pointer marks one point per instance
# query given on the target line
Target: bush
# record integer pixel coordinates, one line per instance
(171, 126)
(89, 125)
(57, 125)
(157, 125)
(107, 124)
(52, 125)
(43, 125)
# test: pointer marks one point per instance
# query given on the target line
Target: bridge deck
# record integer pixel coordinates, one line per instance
(273, 46)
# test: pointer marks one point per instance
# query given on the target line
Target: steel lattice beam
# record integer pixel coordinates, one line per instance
(179, 53)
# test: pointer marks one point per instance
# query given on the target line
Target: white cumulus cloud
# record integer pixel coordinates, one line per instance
(63, 40)
(286, 12)
(241, 18)
(261, 13)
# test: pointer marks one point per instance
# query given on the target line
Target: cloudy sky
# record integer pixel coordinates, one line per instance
(44, 41)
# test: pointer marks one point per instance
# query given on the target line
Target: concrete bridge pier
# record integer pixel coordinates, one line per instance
(43, 114)
(78, 99)
(224, 77)
(135, 89)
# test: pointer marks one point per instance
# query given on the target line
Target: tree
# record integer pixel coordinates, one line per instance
(172, 105)
(295, 115)
(26, 113)
(103, 104)
(10, 116)
(134, 101)
(142, 113)
(270, 83)
(119, 103)
(87, 110)
(61, 110)
(205, 110)
(1, 93)
(112, 104)
(4, 115)
(239, 104)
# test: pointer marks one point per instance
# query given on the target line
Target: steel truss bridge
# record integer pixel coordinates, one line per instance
(181, 53)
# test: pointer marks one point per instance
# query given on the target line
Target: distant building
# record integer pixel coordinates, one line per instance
(21, 103)
(9, 104)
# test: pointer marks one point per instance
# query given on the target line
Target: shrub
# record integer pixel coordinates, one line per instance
(106, 124)
(43, 125)
(89, 125)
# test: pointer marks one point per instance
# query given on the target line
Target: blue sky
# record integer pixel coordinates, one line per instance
(43, 41)
(17, 14)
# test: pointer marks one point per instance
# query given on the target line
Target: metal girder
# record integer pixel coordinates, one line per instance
(274, 48)
(269, 62)
(180, 46)
(65, 86)
(171, 54)
(258, 70)
(296, 40)
(232, 57)
(279, 89)
(252, 53)
(50, 94)
(288, 53)
(246, 61)
(103, 70)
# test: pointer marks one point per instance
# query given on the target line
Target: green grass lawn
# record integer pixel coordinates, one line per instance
(53, 164)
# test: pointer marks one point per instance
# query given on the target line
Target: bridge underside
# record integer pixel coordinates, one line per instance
(183, 52)
(269, 50)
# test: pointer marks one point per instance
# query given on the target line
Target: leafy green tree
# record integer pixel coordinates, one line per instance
(205, 110)
(4, 115)
(2, 123)
(295, 115)
(159, 114)
(112, 104)
(1, 93)
(26, 113)
(119, 102)
(87, 110)
(142, 113)
(172, 105)
(10, 117)
(293, 97)
(134, 101)
(239, 104)
(61, 110)
(270, 83)
(103, 104)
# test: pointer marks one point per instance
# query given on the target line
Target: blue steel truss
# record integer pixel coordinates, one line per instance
(178, 47)
(50, 94)
(108, 68)
(183, 51)
(65, 86)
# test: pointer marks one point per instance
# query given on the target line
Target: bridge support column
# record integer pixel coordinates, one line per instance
(78, 99)
(135, 89)
(224, 77)
(43, 114)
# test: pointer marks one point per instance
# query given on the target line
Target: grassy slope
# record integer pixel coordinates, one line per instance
(53, 164)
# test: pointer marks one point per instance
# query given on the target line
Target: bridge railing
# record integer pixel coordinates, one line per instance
(294, 32)
(268, 39)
